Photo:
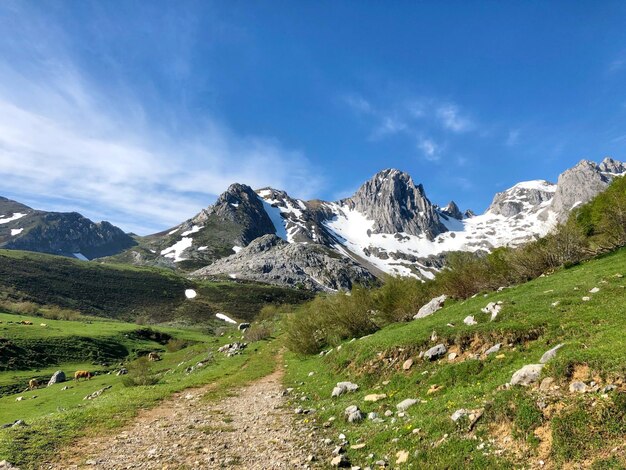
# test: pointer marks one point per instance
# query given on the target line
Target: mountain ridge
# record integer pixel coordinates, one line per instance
(389, 226)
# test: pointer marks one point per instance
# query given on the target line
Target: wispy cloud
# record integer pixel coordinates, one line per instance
(429, 149)
(452, 119)
(414, 118)
(73, 143)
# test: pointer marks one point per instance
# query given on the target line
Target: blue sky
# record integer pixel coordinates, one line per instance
(142, 112)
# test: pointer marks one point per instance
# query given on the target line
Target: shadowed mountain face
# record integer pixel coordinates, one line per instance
(58, 233)
(388, 226)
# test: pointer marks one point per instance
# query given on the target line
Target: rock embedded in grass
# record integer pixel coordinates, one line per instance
(407, 364)
(470, 321)
(527, 374)
(353, 414)
(375, 397)
(431, 307)
(435, 352)
(343, 387)
(57, 377)
(405, 404)
(577, 387)
(550, 354)
(493, 349)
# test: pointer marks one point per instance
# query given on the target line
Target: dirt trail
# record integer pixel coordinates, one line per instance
(251, 430)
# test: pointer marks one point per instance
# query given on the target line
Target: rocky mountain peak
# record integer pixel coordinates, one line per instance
(523, 197)
(395, 204)
(452, 210)
(582, 182)
(608, 165)
(241, 205)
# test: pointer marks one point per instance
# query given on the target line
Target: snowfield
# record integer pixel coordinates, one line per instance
(16, 216)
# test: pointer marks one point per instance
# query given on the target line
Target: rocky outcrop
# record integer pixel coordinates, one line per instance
(396, 205)
(523, 197)
(581, 183)
(273, 260)
(452, 210)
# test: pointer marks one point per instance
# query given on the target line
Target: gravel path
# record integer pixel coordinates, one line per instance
(251, 430)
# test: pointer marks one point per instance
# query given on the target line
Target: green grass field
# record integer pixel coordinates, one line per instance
(126, 292)
(583, 429)
(55, 416)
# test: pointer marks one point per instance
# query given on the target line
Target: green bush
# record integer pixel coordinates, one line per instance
(139, 374)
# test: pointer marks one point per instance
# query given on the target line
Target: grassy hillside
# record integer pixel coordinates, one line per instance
(55, 416)
(520, 426)
(126, 293)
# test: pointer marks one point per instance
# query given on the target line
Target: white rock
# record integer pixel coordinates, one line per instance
(527, 374)
(406, 404)
(550, 354)
(431, 307)
(469, 320)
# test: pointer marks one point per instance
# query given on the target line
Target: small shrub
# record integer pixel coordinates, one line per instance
(258, 332)
(139, 374)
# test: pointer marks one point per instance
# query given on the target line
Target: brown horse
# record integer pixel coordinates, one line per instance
(83, 374)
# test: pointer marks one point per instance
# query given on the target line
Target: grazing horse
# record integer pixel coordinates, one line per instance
(33, 384)
(82, 374)
(154, 357)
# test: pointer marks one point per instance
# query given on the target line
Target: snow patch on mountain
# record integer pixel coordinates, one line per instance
(176, 250)
(16, 216)
(275, 216)
(16, 231)
(80, 256)
(194, 229)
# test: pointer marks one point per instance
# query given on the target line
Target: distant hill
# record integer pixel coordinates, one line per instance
(129, 293)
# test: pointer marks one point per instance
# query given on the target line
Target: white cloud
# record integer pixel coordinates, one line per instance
(450, 118)
(429, 149)
(67, 142)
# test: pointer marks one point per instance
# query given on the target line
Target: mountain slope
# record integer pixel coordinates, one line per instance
(463, 410)
(388, 226)
(59, 233)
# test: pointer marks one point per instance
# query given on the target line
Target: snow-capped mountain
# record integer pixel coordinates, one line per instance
(389, 226)
(59, 233)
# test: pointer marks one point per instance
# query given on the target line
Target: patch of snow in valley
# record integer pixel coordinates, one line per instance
(226, 318)
(237, 249)
(203, 248)
(190, 293)
(176, 250)
(15, 216)
(16, 231)
(80, 256)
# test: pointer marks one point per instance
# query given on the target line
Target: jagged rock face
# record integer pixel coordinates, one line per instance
(452, 210)
(581, 183)
(395, 204)
(522, 197)
(240, 205)
(608, 165)
(58, 233)
(272, 260)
